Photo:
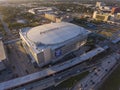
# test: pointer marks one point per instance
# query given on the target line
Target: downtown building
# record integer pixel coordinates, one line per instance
(3, 56)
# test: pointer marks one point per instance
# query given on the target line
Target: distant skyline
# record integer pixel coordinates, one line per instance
(60, 0)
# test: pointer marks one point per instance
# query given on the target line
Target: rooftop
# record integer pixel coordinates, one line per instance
(52, 34)
(41, 9)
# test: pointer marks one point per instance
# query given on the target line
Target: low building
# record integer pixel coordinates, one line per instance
(118, 16)
(105, 8)
(101, 16)
(2, 56)
(58, 17)
(41, 10)
(53, 17)
(115, 10)
(99, 4)
(50, 42)
(115, 17)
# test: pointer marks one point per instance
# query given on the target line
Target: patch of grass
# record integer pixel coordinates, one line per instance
(72, 81)
(113, 81)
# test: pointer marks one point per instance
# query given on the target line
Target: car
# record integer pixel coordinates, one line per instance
(78, 71)
(59, 77)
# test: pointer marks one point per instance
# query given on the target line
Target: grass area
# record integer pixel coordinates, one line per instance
(107, 34)
(72, 81)
(113, 82)
(109, 30)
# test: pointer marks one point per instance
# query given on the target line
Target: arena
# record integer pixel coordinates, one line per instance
(50, 42)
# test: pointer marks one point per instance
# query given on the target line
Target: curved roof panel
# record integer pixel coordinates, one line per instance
(54, 33)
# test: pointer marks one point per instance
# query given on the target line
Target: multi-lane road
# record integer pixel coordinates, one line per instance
(7, 30)
(50, 71)
(57, 78)
(94, 79)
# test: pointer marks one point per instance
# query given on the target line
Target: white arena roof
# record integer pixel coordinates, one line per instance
(54, 33)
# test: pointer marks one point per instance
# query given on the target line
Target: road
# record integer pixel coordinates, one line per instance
(55, 79)
(7, 30)
(73, 71)
(93, 80)
(14, 62)
(58, 78)
(51, 70)
(38, 85)
(19, 61)
(12, 41)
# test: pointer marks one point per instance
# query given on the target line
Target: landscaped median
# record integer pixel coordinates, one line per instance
(69, 83)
